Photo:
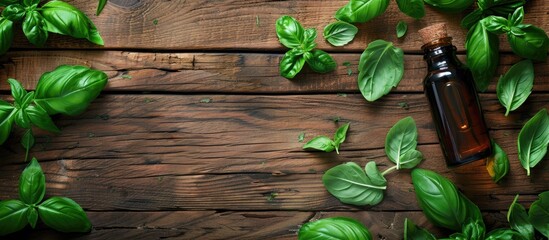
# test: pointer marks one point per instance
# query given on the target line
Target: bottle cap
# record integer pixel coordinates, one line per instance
(433, 33)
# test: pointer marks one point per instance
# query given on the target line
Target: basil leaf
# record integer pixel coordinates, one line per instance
(517, 17)
(7, 113)
(14, 12)
(539, 214)
(65, 19)
(291, 64)
(413, 232)
(100, 6)
(340, 135)
(441, 202)
(32, 216)
(17, 91)
(320, 61)
(482, 54)
(381, 68)
(401, 29)
(340, 33)
(400, 139)
(290, 32)
(533, 140)
(412, 8)
(471, 19)
(64, 215)
(321, 143)
(532, 45)
(6, 35)
(32, 184)
(34, 28)
(474, 230)
(361, 11)
(40, 118)
(69, 89)
(309, 40)
(504, 7)
(496, 25)
(352, 185)
(410, 159)
(13, 216)
(518, 219)
(504, 234)
(450, 5)
(336, 228)
(497, 164)
(516, 85)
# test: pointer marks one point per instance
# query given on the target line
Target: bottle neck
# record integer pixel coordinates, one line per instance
(440, 54)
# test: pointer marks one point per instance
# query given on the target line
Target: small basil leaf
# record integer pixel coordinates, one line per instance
(27, 141)
(412, 8)
(516, 85)
(474, 230)
(22, 119)
(482, 54)
(534, 44)
(32, 217)
(401, 29)
(336, 228)
(69, 89)
(517, 17)
(450, 5)
(538, 214)
(309, 42)
(352, 185)
(291, 64)
(518, 219)
(400, 139)
(290, 32)
(321, 61)
(7, 114)
(40, 118)
(497, 164)
(6, 35)
(340, 135)
(496, 25)
(504, 234)
(14, 12)
(13, 216)
(340, 33)
(410, 159)
(27, 100)
(533, 140)
(321, 143)
(34, 28)
(100, 6)
(64, 215)
(361, 11)
(32, 184)
(517, 31)
(413, 232)
(17, 91)
(471, 19)
(381, 68)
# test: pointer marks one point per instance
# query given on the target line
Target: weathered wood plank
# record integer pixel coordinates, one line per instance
(219, 72)
(246, 25)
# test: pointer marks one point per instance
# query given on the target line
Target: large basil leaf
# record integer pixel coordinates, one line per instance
(340, 33)
(412, 8)
(32, 183)
(13, 216)
(100, 6)
(533, 44)
(320, 61)
(497, 164)
(6, 35)
(482, 54)
(381, 68)
(336, 228)
(516, 85)
(64, 215)
(65, 19)
(538, 214)
(290, 32)
(533, 140)
(401, 139)
(291, 64)
(69, 89)
(34, 28)
(518, 219)
(360, 11)
(7, 113)
(14, 12)
(441, 202)
(352, 185)
(504, 234)
(413, 232)
(450, 5)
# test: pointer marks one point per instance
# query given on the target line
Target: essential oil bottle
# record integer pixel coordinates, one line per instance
(453, 99)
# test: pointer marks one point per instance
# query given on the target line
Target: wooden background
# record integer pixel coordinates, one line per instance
(196, 134)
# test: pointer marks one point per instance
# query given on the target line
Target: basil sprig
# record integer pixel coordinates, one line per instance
(334, 228)
(59, 213)
(323, 143)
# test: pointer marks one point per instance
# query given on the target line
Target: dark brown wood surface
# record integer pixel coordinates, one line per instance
(196, 134)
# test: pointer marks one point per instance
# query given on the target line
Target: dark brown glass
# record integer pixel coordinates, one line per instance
(455, 106)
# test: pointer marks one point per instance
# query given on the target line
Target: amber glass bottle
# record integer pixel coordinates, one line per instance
(453, 99)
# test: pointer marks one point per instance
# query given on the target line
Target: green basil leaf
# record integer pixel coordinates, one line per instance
(320, 61)
(352, 185)
(17, 91)
(32, 216)
(516, 85)
(496, 25)
(412, 8)
(361, 11)
(482, 54)
(69, 89)
(381, 68)
(504, 234)
(13, 216)
(64, 215)
(538, 214)
(290, 32)
(32, 184)
(6, 35)
(450, 5)
(100, 6)
(34, 28)
(22, 119)
(14, 12)
(441, 202)
(517, 17)
(340, 135)
(27, 141)
(30, 3)
(321, 143)
(401, 29)
(410, 159)
(291, 64)
(340, 33)
(336, 228)
(400, 139)
(505, 7)
(474, 230)
(517, 31)
(518, 219)
(309, 40)
(65, 19)
(497, 164)
(40, 118)
(533, 140)
(532, 45)
(413, 232)
(7, 116)
(471, 19)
